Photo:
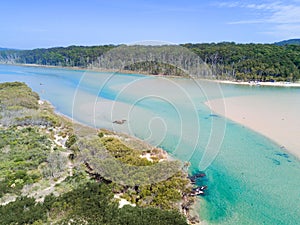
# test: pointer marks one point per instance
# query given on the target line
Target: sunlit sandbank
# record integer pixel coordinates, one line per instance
(276, 118)
(258, 83)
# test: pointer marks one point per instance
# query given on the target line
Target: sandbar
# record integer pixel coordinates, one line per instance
(277, 119)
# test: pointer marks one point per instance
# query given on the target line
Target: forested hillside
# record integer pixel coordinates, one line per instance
(80, 56)
(288, 42)
(263, 62)
(227, 60)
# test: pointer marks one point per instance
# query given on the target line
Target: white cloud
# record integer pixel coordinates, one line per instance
(275, 12)
(286, 14)
(240, 4)
(246, 22)
(282, 18)
(227, 4)
(271, 6)
(284, 31)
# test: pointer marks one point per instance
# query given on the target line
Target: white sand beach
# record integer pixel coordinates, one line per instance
(275, 118)
(257, 83)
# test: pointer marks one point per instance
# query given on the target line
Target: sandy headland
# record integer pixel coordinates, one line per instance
(273, 117)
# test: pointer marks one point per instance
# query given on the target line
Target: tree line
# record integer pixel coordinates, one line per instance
(226, 60)
(262, 62)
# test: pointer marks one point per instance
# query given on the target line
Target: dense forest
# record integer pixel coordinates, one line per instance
(71, 56)
(226, 60)
(263, 62)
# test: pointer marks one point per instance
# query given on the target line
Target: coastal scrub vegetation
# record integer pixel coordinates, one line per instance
(138, 180)
(49, 174)
(226, 60)
(91, 203)
(22, 151)
(19, 105)
(17, 95)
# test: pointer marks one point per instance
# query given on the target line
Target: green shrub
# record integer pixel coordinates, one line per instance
(71, 141)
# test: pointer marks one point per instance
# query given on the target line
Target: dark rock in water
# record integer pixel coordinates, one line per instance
(201, 188)
(213, 115)
(119, 121)
(193, 181)
(196, 176)
(197, 190)
(194, 220)
(276, 162)
(284, 155)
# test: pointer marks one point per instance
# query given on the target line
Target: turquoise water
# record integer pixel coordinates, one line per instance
(251, 180)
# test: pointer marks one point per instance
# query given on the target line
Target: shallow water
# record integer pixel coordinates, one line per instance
(251, 180)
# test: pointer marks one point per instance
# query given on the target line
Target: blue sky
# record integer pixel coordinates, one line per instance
(35, 23)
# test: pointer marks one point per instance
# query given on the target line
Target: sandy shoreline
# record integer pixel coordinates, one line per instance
(252, 83)
(277, 119)
(94, 69)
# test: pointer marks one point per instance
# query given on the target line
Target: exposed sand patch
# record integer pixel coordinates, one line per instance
(123, 201)
(147, 156)
(277, 119)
